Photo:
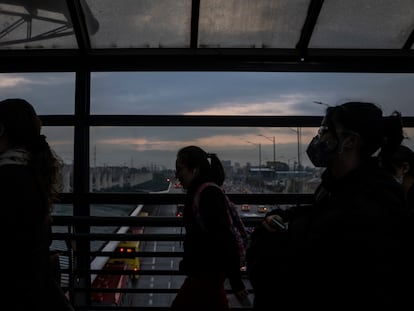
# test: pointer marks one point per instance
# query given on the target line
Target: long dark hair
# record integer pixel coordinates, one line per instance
(22, 128)
(193, 157)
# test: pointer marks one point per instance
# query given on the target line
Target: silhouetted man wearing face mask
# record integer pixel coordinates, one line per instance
(342, 251)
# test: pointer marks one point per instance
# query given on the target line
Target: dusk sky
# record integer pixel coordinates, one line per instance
(203, 93)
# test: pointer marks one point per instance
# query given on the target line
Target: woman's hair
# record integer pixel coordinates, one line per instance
(194, 157)
(22, 126)
(366, 119)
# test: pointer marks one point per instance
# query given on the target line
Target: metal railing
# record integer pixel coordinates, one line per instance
(78, 274)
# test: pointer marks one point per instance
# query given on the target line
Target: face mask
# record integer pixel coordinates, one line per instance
(320, 152)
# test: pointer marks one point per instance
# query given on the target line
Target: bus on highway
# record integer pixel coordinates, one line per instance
(127, 252)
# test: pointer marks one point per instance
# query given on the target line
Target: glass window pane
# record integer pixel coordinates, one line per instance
(49, 93)
(62, 210)
(247, 24)
(245, 93)
(142, 159)
(368, 24)
(139, 24)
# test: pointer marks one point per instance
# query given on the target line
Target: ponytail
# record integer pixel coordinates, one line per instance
(216, 169)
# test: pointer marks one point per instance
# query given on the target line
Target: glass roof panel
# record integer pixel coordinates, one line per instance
(35, 24)
(369, 24)
(246, 23)
(141, 24)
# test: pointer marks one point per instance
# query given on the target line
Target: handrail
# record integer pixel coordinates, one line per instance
(149, 221)
(177, 198)
(84, 288)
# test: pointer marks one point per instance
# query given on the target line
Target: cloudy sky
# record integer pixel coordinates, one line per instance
(203, 93)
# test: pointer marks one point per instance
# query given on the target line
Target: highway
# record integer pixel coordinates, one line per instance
(162, 263)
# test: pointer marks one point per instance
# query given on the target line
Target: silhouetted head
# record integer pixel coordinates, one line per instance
(19, 123)
(366, 120)
(194, 163)
(401, 162)
(359, 126)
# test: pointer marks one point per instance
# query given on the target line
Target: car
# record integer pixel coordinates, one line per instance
(262, 209)
(245, 208)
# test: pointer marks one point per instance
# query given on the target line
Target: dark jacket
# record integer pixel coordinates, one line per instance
(344, 250)
(25, 238)
(410, 198)
(210, 252)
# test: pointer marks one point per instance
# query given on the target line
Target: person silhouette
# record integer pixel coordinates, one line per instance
(348, 248)
(29, 184)
(211, 248)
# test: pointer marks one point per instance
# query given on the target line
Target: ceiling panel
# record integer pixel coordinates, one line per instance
(141, 24)
(283, 35)
(364, 24)
(35, 24)
(251, 24)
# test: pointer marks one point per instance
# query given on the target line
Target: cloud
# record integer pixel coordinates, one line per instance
(10, 82)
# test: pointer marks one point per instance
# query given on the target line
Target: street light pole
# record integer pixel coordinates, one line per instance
(299, 182)
(298, 132)
(272, 139)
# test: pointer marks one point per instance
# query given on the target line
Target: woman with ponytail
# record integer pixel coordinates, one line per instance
(29, 184)
(211, 249)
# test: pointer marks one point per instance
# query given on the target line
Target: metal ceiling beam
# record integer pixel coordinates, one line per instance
(195, 21)
(281, 60)
(410, 41)
(184, 120)
(79, 25)
(311, 18)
